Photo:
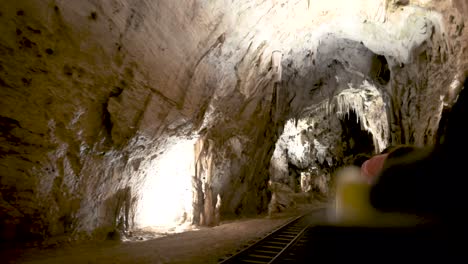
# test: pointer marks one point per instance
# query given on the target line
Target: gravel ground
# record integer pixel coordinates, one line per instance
(206, 245)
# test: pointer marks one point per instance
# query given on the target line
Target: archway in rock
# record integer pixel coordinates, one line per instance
(355, 139)
(166, 193)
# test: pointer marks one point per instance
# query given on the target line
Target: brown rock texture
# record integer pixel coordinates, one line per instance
(94, 93)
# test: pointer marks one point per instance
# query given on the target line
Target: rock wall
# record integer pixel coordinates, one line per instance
(429, 81)
(94, 93)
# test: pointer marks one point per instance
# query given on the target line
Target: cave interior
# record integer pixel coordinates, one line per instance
(120, 115)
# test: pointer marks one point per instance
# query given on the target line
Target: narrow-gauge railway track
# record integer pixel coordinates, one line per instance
(312, 237)
(270, 248)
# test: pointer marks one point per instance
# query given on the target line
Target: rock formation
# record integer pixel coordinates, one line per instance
(113, 113)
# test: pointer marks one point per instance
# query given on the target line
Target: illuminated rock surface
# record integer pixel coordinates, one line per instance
(122, 114)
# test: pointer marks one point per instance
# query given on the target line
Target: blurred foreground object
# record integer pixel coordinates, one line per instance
(371, 168)
(431, 181)
(352, 196)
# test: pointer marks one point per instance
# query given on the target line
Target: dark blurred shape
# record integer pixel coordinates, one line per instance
(400, 151)
(401, 148)
(431, 182)
(401, 2)
(373, 166)
(403, 185)
(428, 181)
(400, 154)
(388, 149)
(345, 244)
(359, 159)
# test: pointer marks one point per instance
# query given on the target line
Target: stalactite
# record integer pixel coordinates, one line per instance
(367, 102)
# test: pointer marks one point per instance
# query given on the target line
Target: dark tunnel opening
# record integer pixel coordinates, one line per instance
(379, 69)
(355, 139)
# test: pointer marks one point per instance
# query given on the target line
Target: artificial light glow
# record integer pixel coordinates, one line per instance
(166, 198)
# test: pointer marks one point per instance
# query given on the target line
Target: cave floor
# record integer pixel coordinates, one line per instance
(206, 245)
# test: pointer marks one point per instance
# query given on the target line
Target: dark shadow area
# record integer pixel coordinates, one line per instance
(432, 183)
(379, 69)
(338, 244)
(355, 139)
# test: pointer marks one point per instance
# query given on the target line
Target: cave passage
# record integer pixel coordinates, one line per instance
(119, 117)
(355, 139)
